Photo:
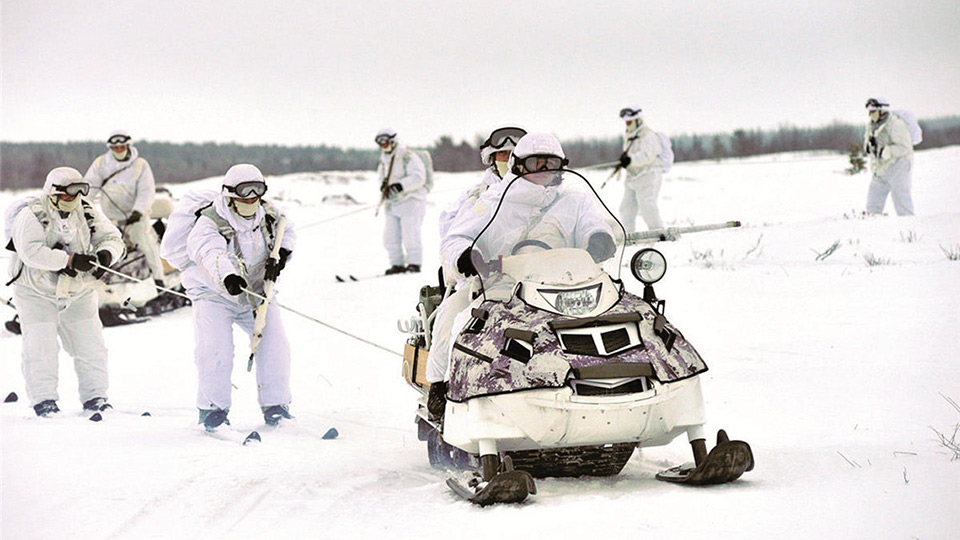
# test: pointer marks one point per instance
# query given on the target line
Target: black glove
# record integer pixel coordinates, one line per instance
(465, 263)
(272, 271)
(394, 190)
(601, 246)
(104, 258)
(872, 146)
(134, 217)
(82, 262)
(624, 160)
(234, 284)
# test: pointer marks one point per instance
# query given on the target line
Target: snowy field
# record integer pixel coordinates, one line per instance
(835, 371)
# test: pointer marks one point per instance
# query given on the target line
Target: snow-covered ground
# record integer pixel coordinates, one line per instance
(836, 371)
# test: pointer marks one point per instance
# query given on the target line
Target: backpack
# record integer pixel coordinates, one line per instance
(427, 160)
(186, 212)
(916, 134)
(665, 159)
(36, 206)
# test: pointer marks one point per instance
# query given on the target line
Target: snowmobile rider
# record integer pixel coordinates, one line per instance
(536, 213)
(229, 247)
(495, 152)
(57, 237)
(890, 146)
(403, 193)
(124, 187)
(644, 176)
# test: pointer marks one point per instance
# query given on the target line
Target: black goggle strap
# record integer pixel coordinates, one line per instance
(247, 190)
(502, 136)
(532, 163)
(78, 188)
(629, 112)
(874, 103)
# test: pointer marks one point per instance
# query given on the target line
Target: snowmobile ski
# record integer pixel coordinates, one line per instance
(725, 463)
(506, 487)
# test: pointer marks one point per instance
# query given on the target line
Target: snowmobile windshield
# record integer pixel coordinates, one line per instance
(539, 214)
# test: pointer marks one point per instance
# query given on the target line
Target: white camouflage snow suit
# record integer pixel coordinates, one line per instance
(52, 304)
(644, 177)
(214, 257)
(891, 165)
(404, 211)
(122, 187)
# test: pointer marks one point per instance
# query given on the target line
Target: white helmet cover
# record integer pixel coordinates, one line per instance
(631, 113)
(542, 144)
(238, 174)
(61, 176)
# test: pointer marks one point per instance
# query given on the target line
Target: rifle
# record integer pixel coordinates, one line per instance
(616, 170)
(671, 234)
(260, 317)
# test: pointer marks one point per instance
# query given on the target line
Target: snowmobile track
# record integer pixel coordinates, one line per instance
(603, 460)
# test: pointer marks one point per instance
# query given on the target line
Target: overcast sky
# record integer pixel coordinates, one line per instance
(319, 72)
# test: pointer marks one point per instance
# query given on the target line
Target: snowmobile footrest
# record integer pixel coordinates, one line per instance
(725, 463)
(505, 487)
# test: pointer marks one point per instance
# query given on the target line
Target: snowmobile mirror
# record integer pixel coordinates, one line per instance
(648, 265)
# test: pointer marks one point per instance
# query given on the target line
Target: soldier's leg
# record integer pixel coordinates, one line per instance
(440, 335)
(877, 194)
(273, 358)
(648, 192)
(144, 237)
(82, 335)
(392, 240)
(628, 208)
(213, 351)
(411, 223)
(39, 348)
(901, 184)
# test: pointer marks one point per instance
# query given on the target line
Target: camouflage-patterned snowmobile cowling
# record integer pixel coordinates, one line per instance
(484, 363)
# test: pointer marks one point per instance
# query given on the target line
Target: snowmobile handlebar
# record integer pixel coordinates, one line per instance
(671, 234)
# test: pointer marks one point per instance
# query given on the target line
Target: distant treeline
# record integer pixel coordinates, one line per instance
(25, 165)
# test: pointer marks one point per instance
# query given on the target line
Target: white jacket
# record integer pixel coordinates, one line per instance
(34, 243)
(245, 255)
(405, 168)
(643, 147)
(466, 200)
(553, 215)
(132, 188)
(893, 142)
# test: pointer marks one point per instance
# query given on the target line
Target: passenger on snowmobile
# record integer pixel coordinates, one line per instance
(229, 247)
(495, 152)
(57, 238)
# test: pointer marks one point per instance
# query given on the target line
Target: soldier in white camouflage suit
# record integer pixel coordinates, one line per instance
(889, 145)
(402, 175)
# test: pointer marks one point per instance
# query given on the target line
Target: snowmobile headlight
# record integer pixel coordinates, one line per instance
(648, 265)
(574, 302)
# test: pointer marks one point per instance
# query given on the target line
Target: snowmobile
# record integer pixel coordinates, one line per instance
(559, 371)
(123, 301)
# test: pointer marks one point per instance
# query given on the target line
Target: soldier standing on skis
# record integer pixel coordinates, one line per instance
(889, 143)
(229, 247)
(403, 194)
(644, 175)
(494, 152)
(57, 238)
(123, 186)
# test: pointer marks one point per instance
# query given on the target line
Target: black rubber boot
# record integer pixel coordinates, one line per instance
(437, 400)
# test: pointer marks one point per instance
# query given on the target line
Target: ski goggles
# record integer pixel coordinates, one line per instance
(384, 139)
(626, 111)
(875, 105)
(500, 137)
(72, 190)
(540, 162)
(118, 140)
(247, 190)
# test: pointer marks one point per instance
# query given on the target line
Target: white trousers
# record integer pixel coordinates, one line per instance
(641, 194)
(441, 337)
(142, 235)
(213, 320)
(402, 231)
(894, 181)
(76, 321)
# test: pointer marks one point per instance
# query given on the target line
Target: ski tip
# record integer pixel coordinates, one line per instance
(96, 417)
(146, 413)
(353, 278)
(339, 279)
(11, 398)
(331, 433)
(252, 437)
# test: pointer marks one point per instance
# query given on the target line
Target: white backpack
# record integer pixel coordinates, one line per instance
(427, 160)
(916, 134)
(665, 159)
(173, 247)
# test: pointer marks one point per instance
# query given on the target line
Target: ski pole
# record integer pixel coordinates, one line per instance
(131, 278)
(318, 321)
(671, 234)
(600, 165)
(260, 318)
